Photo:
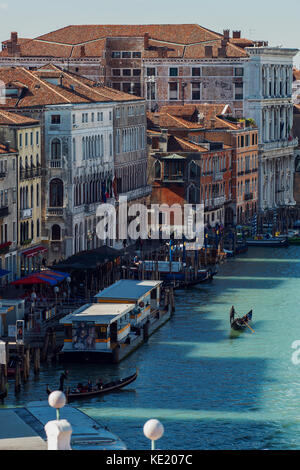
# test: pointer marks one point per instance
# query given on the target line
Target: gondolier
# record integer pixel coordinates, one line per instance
(62, 379)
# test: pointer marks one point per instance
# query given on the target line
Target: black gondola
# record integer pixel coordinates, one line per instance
(105, 388)
(240, 324)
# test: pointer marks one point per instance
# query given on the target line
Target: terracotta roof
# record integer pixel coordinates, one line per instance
(296, 74)
(8, 118)
(179, 40)
(35, 90)
(4, 151)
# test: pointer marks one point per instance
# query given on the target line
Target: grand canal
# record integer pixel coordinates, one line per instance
(209, 389)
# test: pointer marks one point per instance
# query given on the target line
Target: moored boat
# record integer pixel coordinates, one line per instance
(268, 242)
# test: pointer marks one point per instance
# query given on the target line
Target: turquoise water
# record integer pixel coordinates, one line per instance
(211, 390)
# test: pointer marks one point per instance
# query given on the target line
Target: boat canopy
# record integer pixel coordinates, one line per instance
(103, 314)
(127, 290)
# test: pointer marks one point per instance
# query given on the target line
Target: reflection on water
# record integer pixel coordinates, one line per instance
(211, 389)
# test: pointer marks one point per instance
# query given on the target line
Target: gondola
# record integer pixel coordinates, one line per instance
(105, 388)
(240, 324)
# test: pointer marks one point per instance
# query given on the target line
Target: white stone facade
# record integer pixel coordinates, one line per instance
(268, 100)
(79, 153)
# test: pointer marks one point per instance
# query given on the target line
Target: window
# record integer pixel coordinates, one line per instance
(116, 86)
(126, 55)
(136, 55)
(116, 72)
(126, 87)
(196, 91)
(37, 138)
(20, 140)
(93, 117)
(136, 72)
(56, 193)
(26, 139)
(55, 149)
(126, 72)
(239, 91)
(151, 95)
(31, 138)
(56, 233)
(110, 115)
(239, 72)
(117, 112)
(196, 71)
(173, 91)
(151, 72)
(116, 55)
(55, 119)
(173, 72)
(157, 170)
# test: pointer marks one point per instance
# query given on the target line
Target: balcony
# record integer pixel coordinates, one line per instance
(218, 176)
(56, 164)
(26, 214)
(138, 193)
(219, 201)
(177, 178)
(248, 196)
(30, 173)
(3, 175)
(4, 211)
(55, 211)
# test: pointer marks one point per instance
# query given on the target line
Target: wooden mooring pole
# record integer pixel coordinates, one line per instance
(37, 363)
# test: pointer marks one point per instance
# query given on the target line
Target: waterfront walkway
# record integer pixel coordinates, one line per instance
(15, 434)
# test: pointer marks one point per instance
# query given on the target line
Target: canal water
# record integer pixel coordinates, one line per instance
(209, 388)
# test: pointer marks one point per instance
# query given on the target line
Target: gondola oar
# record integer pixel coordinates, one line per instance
(249, 327)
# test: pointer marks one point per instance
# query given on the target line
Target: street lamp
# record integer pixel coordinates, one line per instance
(153, 430)
(56, 291)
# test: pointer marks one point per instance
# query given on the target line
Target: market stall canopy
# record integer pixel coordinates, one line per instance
(89, 260)
(51, 278)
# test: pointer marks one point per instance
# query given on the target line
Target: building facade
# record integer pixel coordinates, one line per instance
(268, 100)
(8, 212)
(24, 134)
(86, 130)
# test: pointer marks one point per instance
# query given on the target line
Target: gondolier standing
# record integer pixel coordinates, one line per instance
(63, 377)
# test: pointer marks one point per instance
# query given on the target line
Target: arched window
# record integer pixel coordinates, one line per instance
(157, 169)
(83, 148)
(193, 170)
(192, 195)
(56, 193)
(55, 149)
(56, 233)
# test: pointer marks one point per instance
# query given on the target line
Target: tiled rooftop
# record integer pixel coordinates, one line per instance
(180, 40)
(35, 90)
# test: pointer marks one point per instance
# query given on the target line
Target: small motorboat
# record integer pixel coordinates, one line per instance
(74, 394)
(240, 324)
(268, 242)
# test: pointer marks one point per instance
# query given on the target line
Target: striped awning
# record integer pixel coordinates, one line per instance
(34, 251)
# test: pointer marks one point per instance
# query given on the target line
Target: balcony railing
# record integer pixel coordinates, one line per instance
(55, 211)
(29, 173)
(248, 196)
(218, 176)
(177, 177)
(26, 214)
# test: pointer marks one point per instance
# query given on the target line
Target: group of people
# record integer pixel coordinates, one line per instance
(81, 388)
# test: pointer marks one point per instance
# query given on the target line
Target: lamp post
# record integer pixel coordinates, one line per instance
(69, 288)
(154, 431)
(56, 291)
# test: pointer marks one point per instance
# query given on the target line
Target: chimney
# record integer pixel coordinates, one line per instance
(200, 118)
(226, 34)
(13, 47)
(208, 51)
(213, 123)
(236, 34)
(146, 40)
(61, 80)
(163, 141)
(222, 51)
(82, 51)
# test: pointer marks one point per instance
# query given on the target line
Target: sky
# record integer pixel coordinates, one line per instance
(276, 21)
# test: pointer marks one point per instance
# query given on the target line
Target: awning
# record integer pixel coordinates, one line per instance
(49, 277)
(3, 273)
(29, 281)
(34, 251)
